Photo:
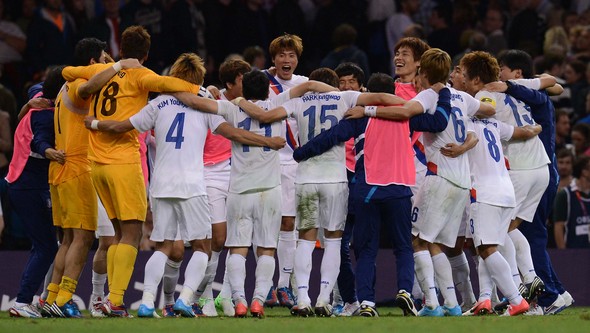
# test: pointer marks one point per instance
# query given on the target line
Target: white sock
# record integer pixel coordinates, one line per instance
(205, 289)
(460, 269)
(523, 255)
(416, 290)
(236, 272)
(170, 280)
(193, 275)
(485, 281)
(154, 270)
(265, 268)
(303, 269)
(500, 272)
(444, 278)
(98, 282)
(285, 254)
(509, 253)
(329, 269)
(225, 291)
(425, 276)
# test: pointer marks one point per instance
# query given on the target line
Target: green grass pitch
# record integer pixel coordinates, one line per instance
(278, 320)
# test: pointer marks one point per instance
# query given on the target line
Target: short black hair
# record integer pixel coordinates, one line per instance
(579, 165)
(350, 68)
(255, 85)
(53, 82)
(517, 59)
(381, 83)
(325, 75)
(87, 49)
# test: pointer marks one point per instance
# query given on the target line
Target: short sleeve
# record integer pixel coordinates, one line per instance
(213, 121)
(145, 119)
(350, 97)
(506, 131)
(534, 84)
(472, 104)
(428, 99)
(227, 110)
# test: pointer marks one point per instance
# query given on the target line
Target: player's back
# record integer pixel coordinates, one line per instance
(463, 106)
(180, 134)
(490, 177)
(71, 135)
(253, 168)
(522, 154)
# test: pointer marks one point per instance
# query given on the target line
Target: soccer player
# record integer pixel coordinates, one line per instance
(345, 303)
(320, 183)
(253, 202)
(285, 52)
(72, 193)
(28, 192)
(436, 215)
(528, 163)
(517, 65)
(179, 202)
(116, 168)
(382, 196)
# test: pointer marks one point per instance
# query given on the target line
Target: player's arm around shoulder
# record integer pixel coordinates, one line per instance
(526, 132)
(198, 103)
(97, 81)
(258, 113)
(311, 85)
(71, 73)
(112, 126)
(150, 81)
(249, 138)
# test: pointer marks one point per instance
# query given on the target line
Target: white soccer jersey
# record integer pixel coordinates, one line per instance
(463, 106)
(489, 175)
(286, 153)
(522, 155)
(180, 134)
(253, 168)
(314, 114)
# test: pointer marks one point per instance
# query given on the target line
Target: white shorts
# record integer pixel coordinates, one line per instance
(189, 216)
(489, 224)
(437, 211)
(104, 226)
(254, 218)
(289, 205)
(420, 176)
(321, 206)
(529, 186)
(464, 221)
(217, 175)
(217, 204)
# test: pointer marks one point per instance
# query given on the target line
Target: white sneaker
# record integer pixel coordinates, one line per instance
(350, 309)
(25, 311)
(535, 310)
(226, 305)
(567, 297)
(95, 311)
(208, 307)
(556, 307)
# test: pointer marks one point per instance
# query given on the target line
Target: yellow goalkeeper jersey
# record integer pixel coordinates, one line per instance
(122, 97)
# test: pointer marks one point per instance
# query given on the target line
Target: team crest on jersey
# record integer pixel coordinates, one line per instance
(488, 101)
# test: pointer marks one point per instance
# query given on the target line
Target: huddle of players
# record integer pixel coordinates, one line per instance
(179, 197)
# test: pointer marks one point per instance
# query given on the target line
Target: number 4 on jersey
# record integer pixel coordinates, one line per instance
(177, 127)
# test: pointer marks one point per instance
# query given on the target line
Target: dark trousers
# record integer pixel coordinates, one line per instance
(34, 209)
(346, 278)
(394, 213)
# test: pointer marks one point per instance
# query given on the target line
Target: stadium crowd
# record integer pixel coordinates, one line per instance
(63, 144)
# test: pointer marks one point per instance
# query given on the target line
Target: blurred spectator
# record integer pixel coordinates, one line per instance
(554, 65)
(12, 39)
(571, 209)
(50, 38)
(77, 10)
(556, 41)
(287, 17)
(26, 15)
(107, 27)
(255, 56)
(581, 139)
(575, 79)
(565, 162)
(254, 26)
(476, 41)
(493, 25)
(184, 28)
(562, 129)
(345, 50)
(398, 22)
(416, 31)
(148, 14)
(582, 46)
(220, 16)
(443, 36)
(525, 28)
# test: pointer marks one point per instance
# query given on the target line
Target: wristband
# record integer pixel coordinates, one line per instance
(237, 100)
(371, 111)
(117, 66)
(94, 125)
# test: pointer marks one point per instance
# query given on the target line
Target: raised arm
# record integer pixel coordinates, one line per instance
(249, 138)
(310, 85)
(99, 80)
